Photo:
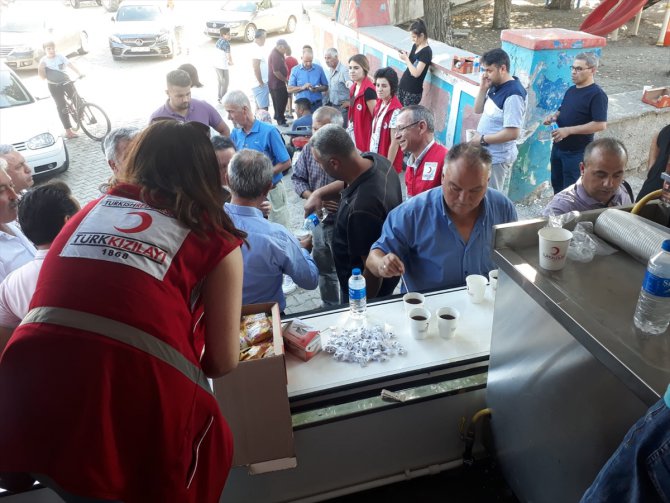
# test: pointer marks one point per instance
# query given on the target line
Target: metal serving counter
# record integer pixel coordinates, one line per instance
(347, 438)
(568, 373)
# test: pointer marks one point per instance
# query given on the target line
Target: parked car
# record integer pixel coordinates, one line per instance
(22, 34)
(142, 28)
(244, 18)
(30, 125)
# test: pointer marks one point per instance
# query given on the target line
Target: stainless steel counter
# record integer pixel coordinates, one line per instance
(568, 372)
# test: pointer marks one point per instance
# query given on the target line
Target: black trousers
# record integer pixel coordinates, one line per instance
(279, 101)
(58, 93)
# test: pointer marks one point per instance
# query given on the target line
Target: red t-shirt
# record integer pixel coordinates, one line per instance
(101, 417)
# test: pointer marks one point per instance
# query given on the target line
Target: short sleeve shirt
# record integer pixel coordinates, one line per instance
(315, 76)
(258, 52)
(411, 84)
(581, 106)
(198, 111)
(276, 63)
(504, 107)
(58, 62)
(222, 52)
(264, 138)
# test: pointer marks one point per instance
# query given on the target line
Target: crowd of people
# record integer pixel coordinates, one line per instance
(136, 297)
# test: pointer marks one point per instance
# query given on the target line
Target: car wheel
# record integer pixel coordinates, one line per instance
(75, 3)
(250, 33)
(290, 24)
(83, 43)
(99, 2)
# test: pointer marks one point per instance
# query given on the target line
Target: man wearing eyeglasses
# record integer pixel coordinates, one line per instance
(582, 113)
(436, 239)
(414, 132)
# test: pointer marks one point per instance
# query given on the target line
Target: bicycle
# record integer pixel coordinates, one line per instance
(92, 119)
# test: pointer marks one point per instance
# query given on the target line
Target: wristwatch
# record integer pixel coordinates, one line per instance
(483, 142)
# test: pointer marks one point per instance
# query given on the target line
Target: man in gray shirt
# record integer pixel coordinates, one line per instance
(338, 76)
(601, 184)
(502, 102)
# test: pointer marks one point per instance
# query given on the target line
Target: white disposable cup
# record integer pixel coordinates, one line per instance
(412, 300)
(476, 284)
(447, 327)
(469, 134)
(419, 327)
(554, 242)
(493, 279)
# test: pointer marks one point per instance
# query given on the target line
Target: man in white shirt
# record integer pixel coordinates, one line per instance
(42, 214)
(259, 63)
(15, 249)
(17, 168)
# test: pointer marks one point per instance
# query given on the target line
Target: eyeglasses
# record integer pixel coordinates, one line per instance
(401, 129)
(579, 68)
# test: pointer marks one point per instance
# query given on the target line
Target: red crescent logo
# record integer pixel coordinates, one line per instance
(145, 223)
(555, 250)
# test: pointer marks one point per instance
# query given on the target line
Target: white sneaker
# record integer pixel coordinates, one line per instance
(287, 285)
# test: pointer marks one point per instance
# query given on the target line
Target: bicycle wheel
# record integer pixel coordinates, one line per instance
(94, 121)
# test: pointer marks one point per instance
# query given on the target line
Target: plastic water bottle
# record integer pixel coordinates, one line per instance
(357, 297)
(652, 314)
(553, 126)
(475, 65)
(311, 222)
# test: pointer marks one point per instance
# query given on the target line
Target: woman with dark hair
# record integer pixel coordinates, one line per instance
(137, 303)
(384, 117)
(418, 62)
(363, 99)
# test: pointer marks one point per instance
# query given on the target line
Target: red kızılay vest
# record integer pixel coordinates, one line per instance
(385, 132)
(115, 405)
(360, 116)
(429, 172)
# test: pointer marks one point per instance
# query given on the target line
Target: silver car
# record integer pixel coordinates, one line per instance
(142, 28)
(244, 18)
(22, 36)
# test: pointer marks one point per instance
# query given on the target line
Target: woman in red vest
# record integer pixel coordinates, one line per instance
(384, 117)
(363, 99)
(103, 387)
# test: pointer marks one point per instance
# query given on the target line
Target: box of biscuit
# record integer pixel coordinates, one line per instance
(301, 339)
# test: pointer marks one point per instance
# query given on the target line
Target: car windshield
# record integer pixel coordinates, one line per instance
(138, 13)
(12, 93)
(239, 6)
(20, 24)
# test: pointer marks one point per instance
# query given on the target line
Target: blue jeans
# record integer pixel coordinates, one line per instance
(564, 167)
(639, 470)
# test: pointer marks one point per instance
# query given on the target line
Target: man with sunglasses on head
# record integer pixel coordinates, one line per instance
(582, 113)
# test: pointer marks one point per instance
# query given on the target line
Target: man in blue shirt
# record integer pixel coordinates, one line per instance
(256, 135)
(272, 250)
(303, 109)
(502, 102)
(441, 236)
(308, 80)
(582, 113)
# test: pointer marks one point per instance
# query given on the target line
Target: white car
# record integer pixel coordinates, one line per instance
(30, 125)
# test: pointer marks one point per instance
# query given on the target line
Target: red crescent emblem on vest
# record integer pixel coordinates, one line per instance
(555, 250)
(145, 223)
(359, 107)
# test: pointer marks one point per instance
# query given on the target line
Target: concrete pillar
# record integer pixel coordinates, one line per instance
(541, 59)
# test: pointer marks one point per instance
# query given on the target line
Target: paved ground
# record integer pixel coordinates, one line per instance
(130, 90)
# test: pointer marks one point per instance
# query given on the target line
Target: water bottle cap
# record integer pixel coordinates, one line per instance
(666, 245)
(357, 272)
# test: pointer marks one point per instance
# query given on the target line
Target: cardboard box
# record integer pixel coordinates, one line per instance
(302, 340)
(461, 64)
(658, 97)
(254, 400)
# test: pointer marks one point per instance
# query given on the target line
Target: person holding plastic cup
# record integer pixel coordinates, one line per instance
(440, 236)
